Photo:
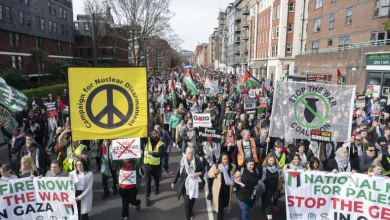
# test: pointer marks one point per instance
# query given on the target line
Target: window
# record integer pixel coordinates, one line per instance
(288, 48)
(39, 42)
(331, 21)
(66, 30)
(86, 26)
(8, 14)
(79, 51)
(62, 30)
(289, 28)
(1, 12)
(277, 31)
(89, 51)
(53, 9)
(27, 2)
(49, 7)
(55, 27)
(314, 46)
(58, 46)
(343, 42)
(348, 19)
(65, 14)
(274, 14)
(113, 52)
(60, 12)
(277, 12)
(273, 32)
(76, 26)
(332, 1)
(330, 43)
(381, 8)
(104, 51)
(378, 38)
(276, 50)
(28, 20)
(12, 39)
(318, 4)
(21, 18)
(291, 7)
(254, 25)
(50, 26)
(317, 25)
(14, 61)
(266, 36)
(42, 23)
(20, 63)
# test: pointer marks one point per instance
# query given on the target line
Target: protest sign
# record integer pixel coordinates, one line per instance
(267, 83)
(313, 107)
(7, 120)
(127, 177)
(210, 134)
(126, 148)
(321, 136)
(160, 87)
(260, 111)
(178, 85)
(230, 117)
(360, 101)
(45, 198)
(263, 102)
(376, 108)
(167, 116)
(51, 110)
(252, 93)
(249, 104)
(318, 195)
(202, 120)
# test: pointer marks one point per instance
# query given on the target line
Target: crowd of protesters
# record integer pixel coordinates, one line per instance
(247, 161)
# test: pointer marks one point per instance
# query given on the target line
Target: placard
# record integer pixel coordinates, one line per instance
(376, 108)
(230, 117)
(249, 104)
(127, 177)
(260, 111)
(210, 134)
(51, 110)
(321, 136)
(126, 148)
(202, 120)
(360, 101)
(167, 116)
(252, 93)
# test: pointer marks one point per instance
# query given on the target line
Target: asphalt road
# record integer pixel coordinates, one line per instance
(163, 206)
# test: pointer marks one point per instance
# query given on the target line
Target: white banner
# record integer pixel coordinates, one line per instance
(45, 198)
(127, 177)
(202, 120)
(314, 195)
(126, 148)
(308, 106)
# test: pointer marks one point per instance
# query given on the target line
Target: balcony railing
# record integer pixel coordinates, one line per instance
(245, 22)
(237, 28)
(347, 47)
(237, 50)
(236, 61)
(245, 35)
(244, 48)
(237, 39)
(237, 16)
(243, 59)
(245, 10)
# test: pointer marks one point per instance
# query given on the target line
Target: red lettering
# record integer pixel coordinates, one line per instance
(321, 202)
(21, 199)
(358, 207)
(385, 213)
(8, 198)
(64, 197)
(335, 200)
(313, 202)
(346, 204)
(290, 200)
(45, 196)
(30, 197)
(56, 198)
(299, 200)
(373, 215)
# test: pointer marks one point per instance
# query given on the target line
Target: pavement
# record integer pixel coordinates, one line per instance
(163, 206)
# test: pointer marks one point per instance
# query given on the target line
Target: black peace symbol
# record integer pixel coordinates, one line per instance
(110, 110)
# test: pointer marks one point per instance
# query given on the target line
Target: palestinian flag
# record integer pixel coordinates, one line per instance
(250, 80)
(161, 98)
(174, 101)
(104, 159)
(64, 108)
(211, 85)
(239, 84)
(193, 75)
(339, 78)
(175, 73)
(263, 90)
(190, 84)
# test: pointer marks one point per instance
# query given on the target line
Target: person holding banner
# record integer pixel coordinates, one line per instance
(365, 160)
(17, 137)
(189, 175)
(7, 173)
(222, 187)
(55, 170)
(376, 170)
(83, 181)
(28, 168)
(340, 163)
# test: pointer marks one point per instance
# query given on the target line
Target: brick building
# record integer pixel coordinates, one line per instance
(26, 24)
(342, 35)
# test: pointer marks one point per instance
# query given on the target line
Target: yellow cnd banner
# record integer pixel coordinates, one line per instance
(108, 103)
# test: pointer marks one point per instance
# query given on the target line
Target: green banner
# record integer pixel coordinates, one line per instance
(382, 59)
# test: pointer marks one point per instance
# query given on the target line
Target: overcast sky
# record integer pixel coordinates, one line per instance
(194, 22)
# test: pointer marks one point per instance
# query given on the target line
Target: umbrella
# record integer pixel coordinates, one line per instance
(368, 93)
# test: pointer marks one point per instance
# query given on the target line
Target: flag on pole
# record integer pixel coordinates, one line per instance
(105, 168)
(307, 77)
(211, 85)
(11, 98)
(263, 90)
(250, 80)
(174, 100)
(339, 78)
(64, 109)
(190, 84)
(161, 98)
(193, 75)
(239, 84)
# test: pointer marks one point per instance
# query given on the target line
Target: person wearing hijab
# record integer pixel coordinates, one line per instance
(340, 163)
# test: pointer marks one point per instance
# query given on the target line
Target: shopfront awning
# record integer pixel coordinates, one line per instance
(257, 64)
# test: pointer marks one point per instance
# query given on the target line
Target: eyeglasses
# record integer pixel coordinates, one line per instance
(371, 150)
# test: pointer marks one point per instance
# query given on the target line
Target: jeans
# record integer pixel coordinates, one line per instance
(245, 208)
(259, 191)
(129, 196)
(164, 162)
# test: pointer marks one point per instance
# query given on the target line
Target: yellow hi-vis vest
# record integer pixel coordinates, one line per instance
(386, 172)
(281, 162)
(149, 159)
(72, 160)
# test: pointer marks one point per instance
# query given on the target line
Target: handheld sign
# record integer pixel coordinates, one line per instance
(202, 120)
(376, 108)
(210, 134)
(230, 117)
(249, 104)
(321, 136)
(167, 116)
(126, 148)
(360, 101)
(260, 112)
(127, 177)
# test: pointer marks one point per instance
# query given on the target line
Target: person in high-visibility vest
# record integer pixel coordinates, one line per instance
(386, 159)
(154, 150)
(246, 147)
(74, 151)
(282, 160)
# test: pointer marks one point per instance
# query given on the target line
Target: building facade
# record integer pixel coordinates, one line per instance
(26, 24)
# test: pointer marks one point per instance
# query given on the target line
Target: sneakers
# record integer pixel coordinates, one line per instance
(167, 172)
(156, 191)
(192, 217)
(138, 207)
(147, 202)
(105, 195)
(276, 209)
(125, 218)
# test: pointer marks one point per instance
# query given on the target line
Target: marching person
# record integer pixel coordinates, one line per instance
(74, 151)
(211, 152)
(39, 156)
(341, 162)
(173, 122)
(166, 139)
(222, 187)
(17, 138)
(107, 168)
(154, 150)
(365, 160)
(55, 170)
(28, 168)
(7, 173)
(189, 135)
(190, 172)
(245, 148)
(95, 145)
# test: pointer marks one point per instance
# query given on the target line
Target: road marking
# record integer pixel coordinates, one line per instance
(208, 202)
